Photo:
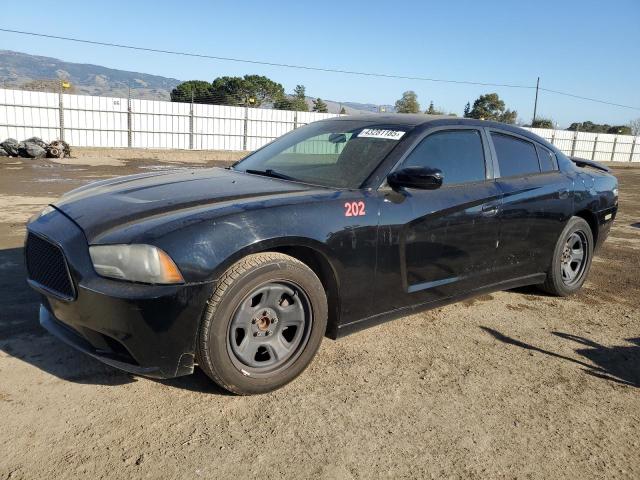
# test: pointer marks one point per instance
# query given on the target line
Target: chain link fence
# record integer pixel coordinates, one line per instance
(101, 121)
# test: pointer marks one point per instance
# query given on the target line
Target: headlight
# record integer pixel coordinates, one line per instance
(136, 263)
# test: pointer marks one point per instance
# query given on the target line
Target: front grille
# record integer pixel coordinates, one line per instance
(47, 267)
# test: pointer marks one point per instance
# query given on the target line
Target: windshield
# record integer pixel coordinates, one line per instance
(333, 153)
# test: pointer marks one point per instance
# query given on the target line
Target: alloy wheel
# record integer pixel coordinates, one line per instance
(574, 258)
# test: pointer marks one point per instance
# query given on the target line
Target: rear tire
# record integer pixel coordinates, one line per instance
(263, 324)
(571, 259)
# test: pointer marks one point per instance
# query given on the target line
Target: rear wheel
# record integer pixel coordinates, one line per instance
(571, 259)
(263, 324)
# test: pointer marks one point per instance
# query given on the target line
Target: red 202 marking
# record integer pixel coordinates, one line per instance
(354, 209)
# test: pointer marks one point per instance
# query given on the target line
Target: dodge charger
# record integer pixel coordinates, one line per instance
(331, 228)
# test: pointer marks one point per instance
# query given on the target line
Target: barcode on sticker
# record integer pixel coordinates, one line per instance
(380, 133)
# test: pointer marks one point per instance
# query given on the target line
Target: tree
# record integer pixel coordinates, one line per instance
(200, 89)
(297, 101)
(283, 103)
(591, 127)
(620, 130)
(262, 89)
(300, 92)
(542, 123)
(467, 110)
(342, 111)
(319, 106)
(300, 99)
(587, 126)
(509, 116)
(433, 111)
(408, 103)
(490, 107)
(247, 91)
(634, 126)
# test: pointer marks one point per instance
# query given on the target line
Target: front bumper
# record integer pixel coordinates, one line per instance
(73, 338)
(149, 330)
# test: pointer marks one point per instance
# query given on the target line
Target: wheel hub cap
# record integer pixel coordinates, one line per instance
(263, 320)
(269, 328)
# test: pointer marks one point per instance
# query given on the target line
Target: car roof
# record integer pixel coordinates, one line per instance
(424, 120)
(407, 119)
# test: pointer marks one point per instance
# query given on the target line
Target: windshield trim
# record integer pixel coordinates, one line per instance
(297, 181)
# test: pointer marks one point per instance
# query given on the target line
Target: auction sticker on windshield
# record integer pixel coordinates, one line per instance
(380, 133)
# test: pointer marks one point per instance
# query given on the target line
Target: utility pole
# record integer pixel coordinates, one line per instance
(535, 105)
(191, 122)
(61, 110)
(129, 120)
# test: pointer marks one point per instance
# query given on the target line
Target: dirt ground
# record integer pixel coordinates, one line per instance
(510, 385)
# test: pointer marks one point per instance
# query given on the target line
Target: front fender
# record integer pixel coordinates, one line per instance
(204, 250)
(206, 242)
(275, 243)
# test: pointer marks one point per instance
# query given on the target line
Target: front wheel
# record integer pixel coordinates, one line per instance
(263, 324)
(571, 259)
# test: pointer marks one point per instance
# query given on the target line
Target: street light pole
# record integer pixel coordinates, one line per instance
(535, 104)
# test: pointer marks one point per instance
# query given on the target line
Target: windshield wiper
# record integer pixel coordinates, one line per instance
(271, 173)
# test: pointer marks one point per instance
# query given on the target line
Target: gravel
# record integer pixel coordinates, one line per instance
(509, 385)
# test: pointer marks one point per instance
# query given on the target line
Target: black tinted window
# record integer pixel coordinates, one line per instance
(457, 153)
(547, 159)
(515, 156)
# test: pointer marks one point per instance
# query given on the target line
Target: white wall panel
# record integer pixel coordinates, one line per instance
(104, 122)
(636, 151)
(624, 144)
(308, 117)
(25, 114)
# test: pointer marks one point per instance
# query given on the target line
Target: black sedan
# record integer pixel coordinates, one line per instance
(336, 226)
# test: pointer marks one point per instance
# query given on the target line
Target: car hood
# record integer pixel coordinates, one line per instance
(101, 206)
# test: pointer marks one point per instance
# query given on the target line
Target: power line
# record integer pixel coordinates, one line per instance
(589, 99)
(257, 62)
(307, 67)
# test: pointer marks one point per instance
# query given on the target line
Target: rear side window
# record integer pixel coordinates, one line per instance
(457, 153)
(547, 159)
(515, 156)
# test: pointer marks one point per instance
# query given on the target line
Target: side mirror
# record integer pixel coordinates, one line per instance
(421, 178)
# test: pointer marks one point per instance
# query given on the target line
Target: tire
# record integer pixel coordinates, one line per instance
(559, 281)
(263, 324)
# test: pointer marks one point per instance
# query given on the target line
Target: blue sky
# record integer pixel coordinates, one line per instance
(588, 48)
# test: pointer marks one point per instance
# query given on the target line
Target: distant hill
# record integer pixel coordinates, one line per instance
(352, 108)
(21, 69)
(34, 72)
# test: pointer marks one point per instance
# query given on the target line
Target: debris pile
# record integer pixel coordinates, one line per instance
(34, 147)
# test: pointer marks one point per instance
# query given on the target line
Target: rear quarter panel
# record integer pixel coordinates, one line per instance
(596, 192)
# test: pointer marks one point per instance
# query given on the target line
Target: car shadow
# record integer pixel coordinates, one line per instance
(619, 364)
(197, 382)
(531, 291)
(22, 337)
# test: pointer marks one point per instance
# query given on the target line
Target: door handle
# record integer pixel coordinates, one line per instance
(489, 209)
